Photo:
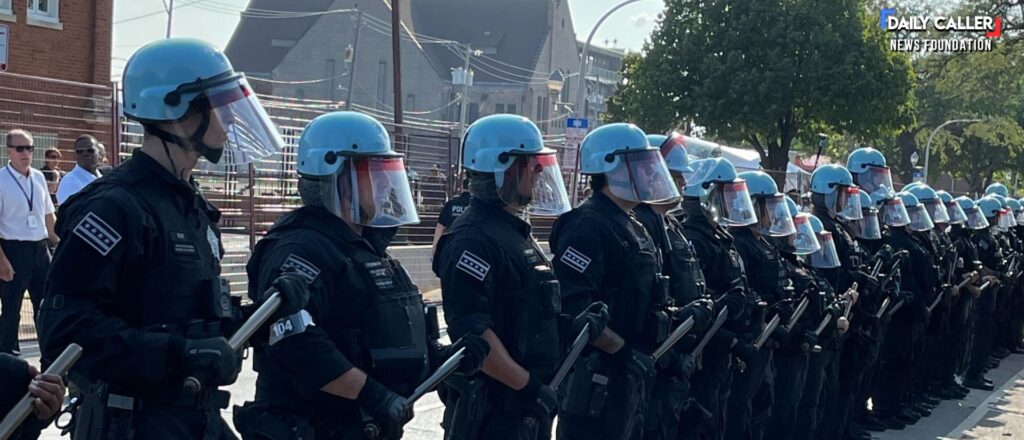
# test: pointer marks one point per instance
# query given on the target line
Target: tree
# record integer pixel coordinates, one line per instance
(765, 72)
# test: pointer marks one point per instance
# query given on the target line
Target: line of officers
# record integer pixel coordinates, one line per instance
(795, 319)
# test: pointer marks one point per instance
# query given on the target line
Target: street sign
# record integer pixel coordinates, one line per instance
(918, 176)
(5, 32)
(575, 130)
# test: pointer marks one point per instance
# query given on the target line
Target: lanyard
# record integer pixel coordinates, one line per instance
(31, 194)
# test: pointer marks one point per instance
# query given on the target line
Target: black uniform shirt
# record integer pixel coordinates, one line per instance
(453, 209)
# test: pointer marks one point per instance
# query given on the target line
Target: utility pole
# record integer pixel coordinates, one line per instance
(355, 58)
(396, 49)
(464, 107)
(170, 17)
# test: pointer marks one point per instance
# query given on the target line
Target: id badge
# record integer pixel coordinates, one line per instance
(33, 222)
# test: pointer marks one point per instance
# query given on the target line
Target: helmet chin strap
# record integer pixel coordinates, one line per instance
(195, 140)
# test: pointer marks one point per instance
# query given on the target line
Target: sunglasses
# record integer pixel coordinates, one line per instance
(22, 148)
(89, 150)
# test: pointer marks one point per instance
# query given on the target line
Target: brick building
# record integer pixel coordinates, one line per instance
(57, 78)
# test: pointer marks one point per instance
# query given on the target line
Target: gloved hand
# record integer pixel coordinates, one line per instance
(780, 335)
(537, 398)
(477, 349)
(387, 408)
(701, 312)
(294, 290)
(735, 299)
(597, 316)
(745, 352)
(807, 340)
(685, 365)
(639, 365)
(210, 360)
(865, 281)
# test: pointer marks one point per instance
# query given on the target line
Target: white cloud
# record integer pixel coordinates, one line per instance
(643, 19)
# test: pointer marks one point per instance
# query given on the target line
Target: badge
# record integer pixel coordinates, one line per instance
(33, 222)
(214, 242)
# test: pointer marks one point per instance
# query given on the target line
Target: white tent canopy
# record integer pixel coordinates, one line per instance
(745, 160)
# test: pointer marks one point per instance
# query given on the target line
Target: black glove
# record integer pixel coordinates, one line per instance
(210, 360)
(745, 352)
(685, 365)
(639, 365)
(294, 290)
(597, 316)
(387, 408)
(865, 282)
(473, 358)
(808, 339)
(735, 299)
(537, 398)
(781, 334)
(701, 312)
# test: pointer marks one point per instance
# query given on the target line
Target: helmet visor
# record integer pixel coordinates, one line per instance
(773, 216)
(804, 241)
(1020, 217)
(876, 181)
(372, 191)
(674, 152)
(919, 218)
(534, 183)
(641, 176)
(826, 257)
(894, 213)
(937, 211)
(956, 213)
(867, 228)
(240, 124)
(1004, 220)
(847, 204)
(976, 219)
(731, 202)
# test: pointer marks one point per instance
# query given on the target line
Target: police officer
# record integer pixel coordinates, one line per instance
(670, 403)
(962, 266)
(991, 254)
(602, 253)
(727, 203)
(136, 278)
(339, 364)
(497, 282)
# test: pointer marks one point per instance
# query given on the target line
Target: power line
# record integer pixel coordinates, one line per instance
(162, 11)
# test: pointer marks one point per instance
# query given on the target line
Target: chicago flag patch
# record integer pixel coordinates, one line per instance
(475, 266)
(97, 233)
(299, 265)
(575, 259)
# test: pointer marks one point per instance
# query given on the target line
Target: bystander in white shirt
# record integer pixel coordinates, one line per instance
(24, 205)
(73, 182)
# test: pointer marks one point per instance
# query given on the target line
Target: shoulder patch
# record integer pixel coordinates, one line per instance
(575, 259)
(304, 268)
(97, 233)
(475, 266)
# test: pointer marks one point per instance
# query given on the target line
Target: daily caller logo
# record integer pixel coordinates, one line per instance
(968, 27)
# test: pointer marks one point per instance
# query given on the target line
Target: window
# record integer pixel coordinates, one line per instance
(45, 10)
(5, 7)
(499, 108)
(382, 82)
(474, 113)
(510, 109)
(540, 108)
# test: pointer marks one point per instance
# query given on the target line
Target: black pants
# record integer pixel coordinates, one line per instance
(30, 261)
(790, 377)
(747, 392)
(811, 404)
(984, 329)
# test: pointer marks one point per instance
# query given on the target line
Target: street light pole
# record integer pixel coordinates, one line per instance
(464, 106)
(170, 17)
(928, 146)
(580, 111)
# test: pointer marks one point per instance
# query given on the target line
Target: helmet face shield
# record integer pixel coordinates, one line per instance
(956, 213)
(826, 257)
(773, 216)
(731, 202)
(845, 202)
(876, 180)
(919, 219)
(1020, 217)
(804, 241)
(868, 227)
(238, 124)
(936, 210)
(371, 191)
(1004, 221)
(894, 213)
(976, 219)
(641, 176)
(533, 183)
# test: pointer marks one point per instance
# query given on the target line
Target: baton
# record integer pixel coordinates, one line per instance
(896, 307)
(967, 281)
(877, 268)
(673, 338)
(446, 369)
(882, 307)
(258, 318)
(798, 312)
(937, 299)
(849, 304)
(711, 331)
(570, 359)
(984, 286)
(768, 330)
(23, 408)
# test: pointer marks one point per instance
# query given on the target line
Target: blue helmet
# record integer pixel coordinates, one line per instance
(1014, 205)
(975, 218)
(868, 227)
(931, 201)
(826, 256)
(707, 172)
(1001, 199)
(634, 170)
(953, 210)
(362, 179)
(944, 196)
(793, 209)
(511, 148)
(170, 80)
(865, 200)
(870, 172)
(772, 212)
(816, 224)
(673, 149)
(726, 193)
(760, 183)
(965, 203)
(990, 206)
(997, 188)
(840, 195)
(909, 199)
(911, 185)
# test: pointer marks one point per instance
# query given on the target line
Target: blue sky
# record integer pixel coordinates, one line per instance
(137, 22)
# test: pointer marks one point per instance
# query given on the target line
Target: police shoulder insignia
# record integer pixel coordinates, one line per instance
(303, 267)
(97, 233)
(575, 259)
(475, 266)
